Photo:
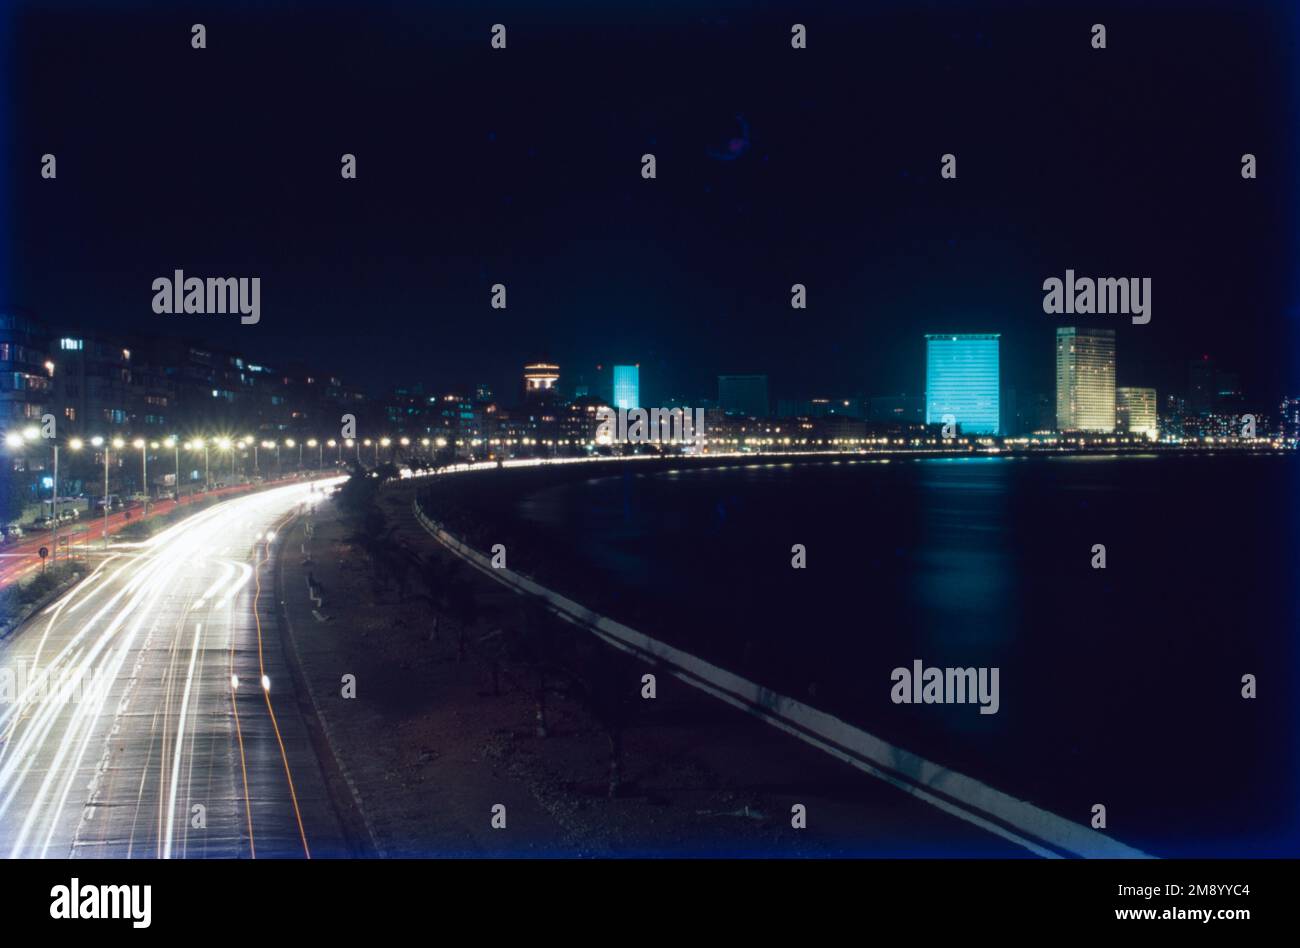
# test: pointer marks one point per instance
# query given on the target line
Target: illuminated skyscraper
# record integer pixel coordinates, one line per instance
(1085, 379)
(1135, 411)
(962, 381)
(627, 386)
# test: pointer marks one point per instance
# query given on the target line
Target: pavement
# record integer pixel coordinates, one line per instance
(150, 711)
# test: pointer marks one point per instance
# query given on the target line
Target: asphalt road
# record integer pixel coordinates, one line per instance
(21, 560)
(123, 732)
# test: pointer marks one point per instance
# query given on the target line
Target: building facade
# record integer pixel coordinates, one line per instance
(1136, 411)
(963, 381)
(627, 386)
(1085, 379)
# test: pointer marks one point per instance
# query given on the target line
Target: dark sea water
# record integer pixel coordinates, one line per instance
(1119, 686)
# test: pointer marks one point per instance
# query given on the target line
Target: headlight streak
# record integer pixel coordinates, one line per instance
(31, 724)
(180, 743)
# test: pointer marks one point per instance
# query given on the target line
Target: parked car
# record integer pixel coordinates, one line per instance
(13, 531)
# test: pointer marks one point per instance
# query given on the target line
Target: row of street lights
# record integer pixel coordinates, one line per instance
(32, 434)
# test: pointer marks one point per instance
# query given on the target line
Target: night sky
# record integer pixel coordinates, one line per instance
(775, 166)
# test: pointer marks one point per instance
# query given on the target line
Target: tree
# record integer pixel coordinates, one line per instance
(536, 644)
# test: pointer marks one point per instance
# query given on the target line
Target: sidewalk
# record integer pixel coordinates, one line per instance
(429, 748)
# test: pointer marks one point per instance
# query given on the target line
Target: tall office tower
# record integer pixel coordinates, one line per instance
(627, 386)
(743, 395)
(1136, 412)
(1085, 379)
(962, 381)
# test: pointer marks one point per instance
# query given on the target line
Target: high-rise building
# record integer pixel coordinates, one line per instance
(24, 378)
(1085, 379)
(1136, 411)
(627, 386)
(962, 381)
(743, 395)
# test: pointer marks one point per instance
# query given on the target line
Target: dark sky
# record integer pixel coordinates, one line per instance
(775, 166)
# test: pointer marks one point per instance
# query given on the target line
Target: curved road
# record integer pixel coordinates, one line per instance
(149, 711)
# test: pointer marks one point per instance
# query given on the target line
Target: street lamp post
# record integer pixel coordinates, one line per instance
(223, 444)
(54, 527)
(144, 469)
(31, 434)
(176, 447)
(75, 444)
(97, 441)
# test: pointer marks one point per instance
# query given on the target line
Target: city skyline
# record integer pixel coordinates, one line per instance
(658, 431)
(689, 274)
(52, 362)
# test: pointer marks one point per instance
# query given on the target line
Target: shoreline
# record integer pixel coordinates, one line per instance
(443, 728)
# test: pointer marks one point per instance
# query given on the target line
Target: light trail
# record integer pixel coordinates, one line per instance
(180, 744)
(74, 758)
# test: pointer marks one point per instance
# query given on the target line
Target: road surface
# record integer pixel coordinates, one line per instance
(149, 712)
(21, 560)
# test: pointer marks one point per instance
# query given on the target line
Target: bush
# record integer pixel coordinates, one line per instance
(14, 599)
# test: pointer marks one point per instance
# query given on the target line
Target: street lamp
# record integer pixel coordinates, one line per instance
(175, 445)
(332, 443)
(16, 440)
(118, 444)
(144, 469)
(223, 444)
(98, 442)
(76, 444)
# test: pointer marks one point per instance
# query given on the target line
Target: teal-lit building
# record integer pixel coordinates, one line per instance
(962, 380)
(627, 386)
